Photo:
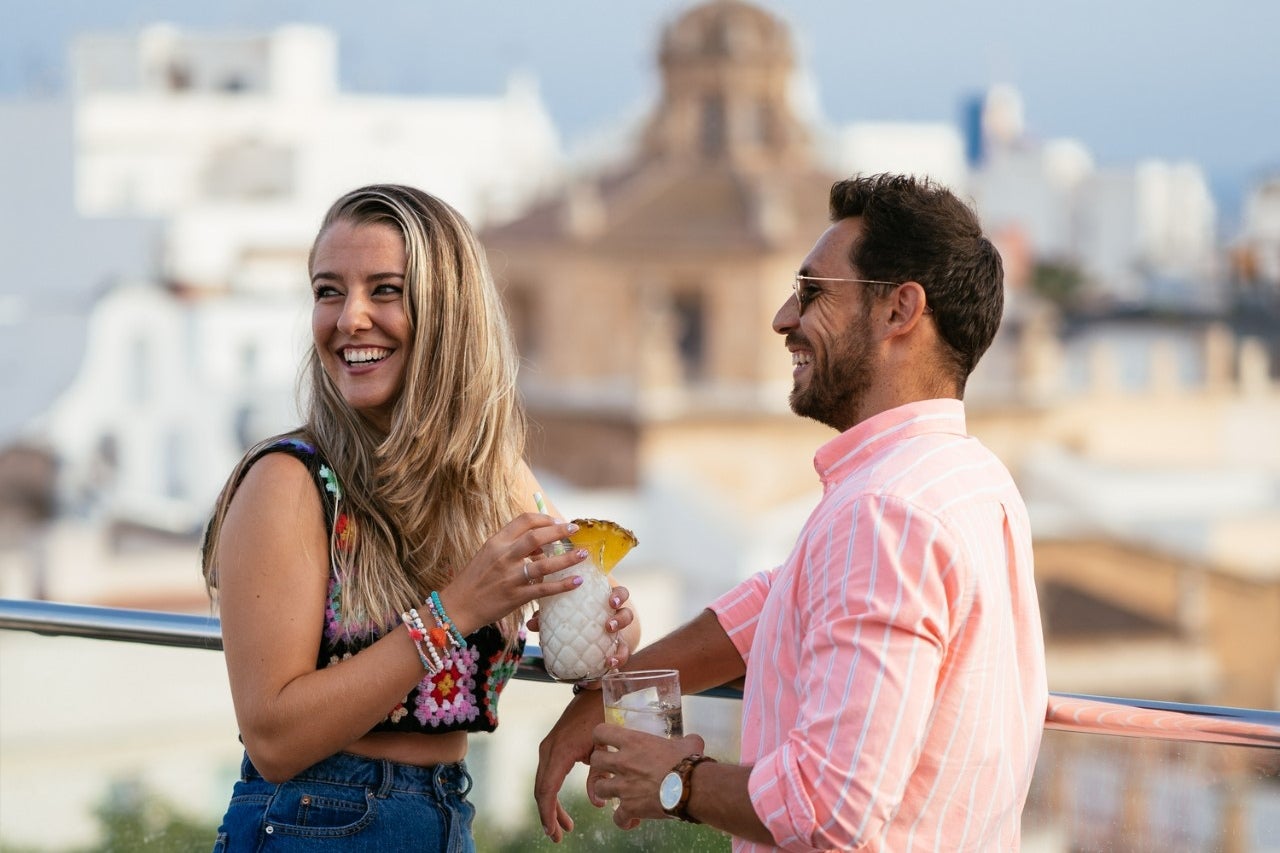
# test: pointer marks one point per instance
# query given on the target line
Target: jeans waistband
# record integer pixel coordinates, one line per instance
(381, 775)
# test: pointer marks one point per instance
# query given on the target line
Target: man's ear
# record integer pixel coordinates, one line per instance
(907, 307)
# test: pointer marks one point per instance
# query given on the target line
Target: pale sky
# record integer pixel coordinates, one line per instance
(1131, 79)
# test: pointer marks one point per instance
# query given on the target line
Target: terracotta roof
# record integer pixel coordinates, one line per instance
(677, 207)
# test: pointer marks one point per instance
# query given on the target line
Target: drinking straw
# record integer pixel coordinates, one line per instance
(562, 546)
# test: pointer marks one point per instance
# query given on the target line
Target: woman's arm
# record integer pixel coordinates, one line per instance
(273, 574)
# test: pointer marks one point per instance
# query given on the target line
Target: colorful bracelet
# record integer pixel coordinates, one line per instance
(436, 606)
(432, 647)
(430, 658)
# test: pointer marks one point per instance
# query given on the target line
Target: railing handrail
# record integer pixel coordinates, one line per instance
(1070, 712)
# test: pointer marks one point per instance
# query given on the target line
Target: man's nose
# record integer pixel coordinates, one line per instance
(788, 316)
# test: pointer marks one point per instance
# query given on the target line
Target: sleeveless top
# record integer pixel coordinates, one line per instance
(463, 696)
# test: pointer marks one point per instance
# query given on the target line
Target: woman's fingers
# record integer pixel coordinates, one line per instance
(620, 655)
(622, 616)
(534, 541)
(543, 588)
(527, 533)
(550, 565)
(620, 619)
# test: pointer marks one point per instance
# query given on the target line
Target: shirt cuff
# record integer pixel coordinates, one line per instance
(781, 803)
(738, 610)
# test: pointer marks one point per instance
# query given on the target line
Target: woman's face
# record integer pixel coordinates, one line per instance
(360, 323)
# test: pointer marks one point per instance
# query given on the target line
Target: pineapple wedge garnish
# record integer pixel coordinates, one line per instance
(607, 540)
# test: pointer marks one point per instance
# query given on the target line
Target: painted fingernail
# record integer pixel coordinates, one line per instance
(577, 580)
(613, 663)
(613, 625)
(573, 528)
(615, 602)
(582, 553)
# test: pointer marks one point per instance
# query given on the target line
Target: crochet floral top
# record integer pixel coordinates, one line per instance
(463, 695)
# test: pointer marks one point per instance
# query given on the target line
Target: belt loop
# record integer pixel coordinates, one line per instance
(466, 782)
(387, 773)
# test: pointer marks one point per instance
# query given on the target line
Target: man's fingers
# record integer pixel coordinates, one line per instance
(549, 817)
(607, 734)
(594, 776)
(549, 809)
(546, 793)
(563, 824)
(622, 820)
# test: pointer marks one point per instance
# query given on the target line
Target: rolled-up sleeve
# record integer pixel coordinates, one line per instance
(738, 610)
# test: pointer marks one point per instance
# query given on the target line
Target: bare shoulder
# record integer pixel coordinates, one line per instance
(276, 506)
(276, 475)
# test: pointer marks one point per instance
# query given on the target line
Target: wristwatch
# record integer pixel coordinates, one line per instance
(674, 790)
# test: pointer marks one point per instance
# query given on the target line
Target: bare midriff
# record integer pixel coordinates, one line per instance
(407, 748)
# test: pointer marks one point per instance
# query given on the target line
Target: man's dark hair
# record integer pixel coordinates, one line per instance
(915, 230)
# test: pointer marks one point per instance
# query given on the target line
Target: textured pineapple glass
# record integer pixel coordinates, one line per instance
(575, 644)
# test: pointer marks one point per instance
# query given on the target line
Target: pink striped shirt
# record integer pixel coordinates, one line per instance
(895, 689)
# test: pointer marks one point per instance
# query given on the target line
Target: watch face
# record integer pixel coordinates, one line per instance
(669, 790)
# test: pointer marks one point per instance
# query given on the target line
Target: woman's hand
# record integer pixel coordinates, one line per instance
(509, 572)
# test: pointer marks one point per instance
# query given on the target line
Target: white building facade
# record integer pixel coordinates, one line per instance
(1261, 233)
(1128, 229)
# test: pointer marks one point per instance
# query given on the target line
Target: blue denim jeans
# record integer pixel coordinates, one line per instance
(352, 804)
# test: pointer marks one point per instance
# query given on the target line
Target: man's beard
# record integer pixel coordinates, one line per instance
(838, 383)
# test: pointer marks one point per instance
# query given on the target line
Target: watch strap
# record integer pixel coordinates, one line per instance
(685, 771)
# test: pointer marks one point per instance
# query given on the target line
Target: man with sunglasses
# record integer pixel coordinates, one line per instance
(894, 679)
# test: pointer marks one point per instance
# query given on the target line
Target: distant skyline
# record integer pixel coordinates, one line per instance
(1173, 80)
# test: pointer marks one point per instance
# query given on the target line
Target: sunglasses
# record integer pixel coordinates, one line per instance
(805, 292)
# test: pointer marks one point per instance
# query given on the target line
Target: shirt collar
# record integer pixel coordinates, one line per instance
(861, 441)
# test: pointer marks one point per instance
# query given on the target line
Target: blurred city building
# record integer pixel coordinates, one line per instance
(1259, 246)
(1137, 235)
(1135, 409)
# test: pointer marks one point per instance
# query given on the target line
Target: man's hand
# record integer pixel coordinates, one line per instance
(628, 766)
(568, 742)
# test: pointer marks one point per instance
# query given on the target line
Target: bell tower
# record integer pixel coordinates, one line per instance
(727, 69)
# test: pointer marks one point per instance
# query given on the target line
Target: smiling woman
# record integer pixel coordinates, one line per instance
(405, 488)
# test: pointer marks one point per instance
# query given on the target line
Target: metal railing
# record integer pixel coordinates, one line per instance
(1070, 712)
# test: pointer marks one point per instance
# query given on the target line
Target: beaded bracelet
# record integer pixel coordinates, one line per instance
(436, 606)
(416, 634)
(430, 658)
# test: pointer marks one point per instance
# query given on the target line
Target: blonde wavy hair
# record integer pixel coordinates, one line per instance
(426, 496)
